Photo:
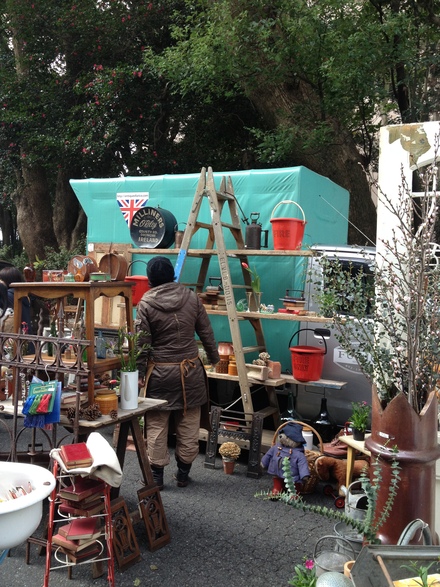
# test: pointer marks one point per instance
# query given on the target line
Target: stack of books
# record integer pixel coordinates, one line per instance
(68, 399)
(78, 539)
(83, 498)
(76, 456)
(213, 300)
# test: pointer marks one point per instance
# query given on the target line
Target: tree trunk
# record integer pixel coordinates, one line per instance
(34, 211)
(69, 219)
(340, 161)
(8, 228)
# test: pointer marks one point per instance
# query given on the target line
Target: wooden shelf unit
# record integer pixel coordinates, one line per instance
(88, 293)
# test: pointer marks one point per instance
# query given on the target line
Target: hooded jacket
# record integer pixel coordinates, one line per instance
(170, 314)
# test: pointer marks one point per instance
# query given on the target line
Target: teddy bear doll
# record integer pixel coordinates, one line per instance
(333, 468)
(291, 445)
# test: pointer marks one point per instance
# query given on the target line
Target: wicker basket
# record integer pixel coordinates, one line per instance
(107, 402)
(311, 455)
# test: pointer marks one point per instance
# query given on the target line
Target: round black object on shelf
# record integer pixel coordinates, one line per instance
(153, 228)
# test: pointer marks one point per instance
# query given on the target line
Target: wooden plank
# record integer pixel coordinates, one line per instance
(274, 316)
(319, 383)
(231, 252)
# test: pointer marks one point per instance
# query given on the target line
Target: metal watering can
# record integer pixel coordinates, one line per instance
(254, 233)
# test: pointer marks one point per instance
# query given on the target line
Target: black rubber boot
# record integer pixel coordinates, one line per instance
(157, 476)
(182, 475)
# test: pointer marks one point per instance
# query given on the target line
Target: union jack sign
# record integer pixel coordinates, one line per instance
(130, 203)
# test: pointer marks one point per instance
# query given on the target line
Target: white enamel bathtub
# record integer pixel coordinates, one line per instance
(20, 517)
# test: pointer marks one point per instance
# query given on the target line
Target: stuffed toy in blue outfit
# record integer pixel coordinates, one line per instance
(291, 445)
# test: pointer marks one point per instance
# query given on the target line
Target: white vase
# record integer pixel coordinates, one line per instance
(129, 390)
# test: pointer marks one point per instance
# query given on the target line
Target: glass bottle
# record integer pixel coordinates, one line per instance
(324, 423)
(290, 413)
(101, 351)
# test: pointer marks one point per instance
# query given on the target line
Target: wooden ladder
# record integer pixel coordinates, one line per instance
(217, 199)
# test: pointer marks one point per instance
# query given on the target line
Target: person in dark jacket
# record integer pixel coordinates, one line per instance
(168, 316)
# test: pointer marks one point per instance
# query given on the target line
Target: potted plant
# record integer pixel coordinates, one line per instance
(229, 451)
(389, 321)
(128, 352)
(254, 296)
(359, 419)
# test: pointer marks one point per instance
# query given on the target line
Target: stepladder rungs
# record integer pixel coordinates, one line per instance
(220, 201)
(203, 225)
(230, 226)
(225, 196)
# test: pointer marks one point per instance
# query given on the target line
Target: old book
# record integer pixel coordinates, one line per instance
(82, 488)
(71, 545)
(81, 529)
(89, 552)
(71, 508)
(68, 398)
(76, 456)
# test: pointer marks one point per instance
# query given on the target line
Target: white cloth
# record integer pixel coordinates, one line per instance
(105, 461)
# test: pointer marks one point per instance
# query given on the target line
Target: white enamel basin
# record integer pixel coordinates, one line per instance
(20, 517)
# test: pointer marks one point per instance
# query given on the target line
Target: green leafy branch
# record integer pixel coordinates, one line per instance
(368, 527)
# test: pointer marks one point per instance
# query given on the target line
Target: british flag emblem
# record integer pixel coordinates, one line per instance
(130, 203)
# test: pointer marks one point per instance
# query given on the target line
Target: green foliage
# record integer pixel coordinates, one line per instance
(360, 415)
(7, 253)
(371, 524)
(388, 320)
(421, 571)
(59, 259)
(102, 89)
(305, 575)
(129, 348)
(337, 60)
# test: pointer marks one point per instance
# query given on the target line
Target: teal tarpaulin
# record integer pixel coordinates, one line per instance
(325, 206)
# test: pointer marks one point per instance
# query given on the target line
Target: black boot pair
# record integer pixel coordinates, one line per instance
(182, 475)
(157, 476)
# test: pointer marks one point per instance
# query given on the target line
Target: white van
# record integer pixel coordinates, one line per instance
(338, 364)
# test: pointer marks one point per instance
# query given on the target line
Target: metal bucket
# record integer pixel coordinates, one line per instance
(356, 501)
(328, 557)
(349, 540)
(178, 236)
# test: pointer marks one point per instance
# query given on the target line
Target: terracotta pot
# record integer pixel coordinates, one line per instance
(415, 436)
(228, 466)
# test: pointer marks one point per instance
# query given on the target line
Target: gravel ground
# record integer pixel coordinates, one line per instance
(221, 534)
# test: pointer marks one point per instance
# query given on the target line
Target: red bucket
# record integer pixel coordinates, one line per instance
(140, 284)
(307, 361)
(287, 233)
